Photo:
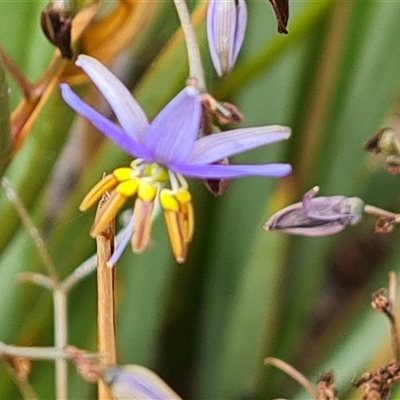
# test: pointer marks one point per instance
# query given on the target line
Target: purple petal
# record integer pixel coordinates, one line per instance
(334, 208)
(231, 171)
(217, 146)
(293, 220)
(125, 239)
(108, 128)
(317, 216)
(172, 134)
(136, 382)
(226, 26)
(128, 111)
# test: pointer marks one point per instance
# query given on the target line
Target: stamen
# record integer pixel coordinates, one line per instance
(143, 221)
(176, 220)
(147, 191)
(123, 174)
(107, 183)
(128, 188)
(187, 211)
(110, 208)
(173, 221)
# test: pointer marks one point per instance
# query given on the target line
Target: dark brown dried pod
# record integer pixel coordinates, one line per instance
(217, 187)
(281, 9)
(56, 24)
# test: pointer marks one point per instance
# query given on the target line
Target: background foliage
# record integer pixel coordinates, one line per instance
(243, 294)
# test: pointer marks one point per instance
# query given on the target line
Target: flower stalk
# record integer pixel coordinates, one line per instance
(105, 301)
(196, 70)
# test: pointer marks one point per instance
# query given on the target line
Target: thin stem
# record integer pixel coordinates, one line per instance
(33, 353)
(79, 273)
(195, 65)
(105, 302)
(23, 83)
(30, 227)
(60, 341)
(292, 372)
(378, 212)
(392, 305)
(38, 279)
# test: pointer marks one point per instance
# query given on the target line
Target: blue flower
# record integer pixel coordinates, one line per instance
(226, 26)
(165, 151)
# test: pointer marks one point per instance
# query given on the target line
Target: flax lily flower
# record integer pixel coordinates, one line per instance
(165, 151)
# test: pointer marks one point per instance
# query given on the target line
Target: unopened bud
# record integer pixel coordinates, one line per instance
(137, 382)
(226, 26)
(56, 21)
(319, 216)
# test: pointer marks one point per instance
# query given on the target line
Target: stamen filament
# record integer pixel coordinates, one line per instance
(143, 221)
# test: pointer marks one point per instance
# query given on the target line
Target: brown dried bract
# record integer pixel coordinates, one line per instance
(281, 9)
(384, 225)
(325, 387)
(20, 366)
(217, 187)
(392, 165)
(226, 113)
(378, 385)
(88, 369)
(381, 303)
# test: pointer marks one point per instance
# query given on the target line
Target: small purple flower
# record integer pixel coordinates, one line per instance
(226, 26)
(318, 216)
(165, 150)
(137, 382)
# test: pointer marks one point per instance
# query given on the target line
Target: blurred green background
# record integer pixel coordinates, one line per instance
(244, 294)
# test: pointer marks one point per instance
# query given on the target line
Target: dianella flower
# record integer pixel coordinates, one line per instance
(226, 26)
(165, 151)
(317, 216)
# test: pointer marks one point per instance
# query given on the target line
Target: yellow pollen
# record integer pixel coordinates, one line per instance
(168, 201)
(183, 196)
(146, 191)
(128, 188)
(123, 174)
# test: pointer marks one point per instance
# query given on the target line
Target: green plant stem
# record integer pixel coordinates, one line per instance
(195, 65)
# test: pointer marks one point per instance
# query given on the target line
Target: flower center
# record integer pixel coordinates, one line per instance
(152, 185)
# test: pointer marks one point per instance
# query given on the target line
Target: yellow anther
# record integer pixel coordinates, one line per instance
(128, 188)
(107, 183)
(168, 201)
(173, 221)
(143, 221)
(187, 213)
(147, 191)
(107, 212)
(123, 174)
(183, 196)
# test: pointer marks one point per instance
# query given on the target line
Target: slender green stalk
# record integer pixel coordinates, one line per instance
(195, 65)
